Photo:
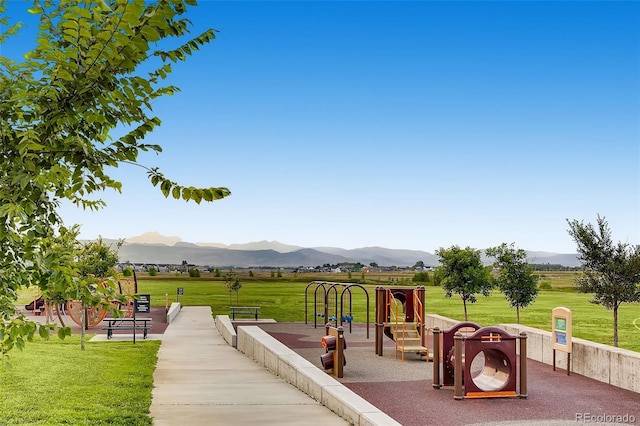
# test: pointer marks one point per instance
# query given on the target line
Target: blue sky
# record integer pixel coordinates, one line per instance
(409, 125)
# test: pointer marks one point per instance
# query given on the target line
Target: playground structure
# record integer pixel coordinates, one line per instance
(331, 289)
(94, 314)
(400, 316)
(479, 362)
(335, 345)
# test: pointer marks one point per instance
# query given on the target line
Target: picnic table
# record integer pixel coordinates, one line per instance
(244, 310)
(133, 324)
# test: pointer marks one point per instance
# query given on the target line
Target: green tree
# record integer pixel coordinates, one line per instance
(96, 266)
(514, 276)
(236, 286)
(462, 273)
(98, 259)
(611, 271)
(78, 106)
(233, 284)
(194, 272)
(80, 272)
(153, 272)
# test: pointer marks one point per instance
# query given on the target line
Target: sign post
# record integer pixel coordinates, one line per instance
(561, 319)
(143, 306)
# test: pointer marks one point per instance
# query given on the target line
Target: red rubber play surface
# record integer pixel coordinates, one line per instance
(403, 389)
(157, 314)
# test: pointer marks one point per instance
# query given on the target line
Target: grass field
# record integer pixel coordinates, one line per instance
(284, 300)
(55, 383)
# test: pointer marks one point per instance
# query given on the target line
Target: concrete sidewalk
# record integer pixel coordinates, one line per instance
(201, 380)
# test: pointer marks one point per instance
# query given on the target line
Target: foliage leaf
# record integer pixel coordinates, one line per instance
(85, 80)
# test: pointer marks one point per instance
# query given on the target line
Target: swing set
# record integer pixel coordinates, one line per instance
(325, 296)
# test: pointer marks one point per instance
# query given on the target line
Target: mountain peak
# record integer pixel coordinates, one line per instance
(265, 245)
(153, 237)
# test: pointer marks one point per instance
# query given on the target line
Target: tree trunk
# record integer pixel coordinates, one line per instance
(60, 316)
(517, 314)
(48, 305)
(464, 303)
(82, 327)
(615, 326)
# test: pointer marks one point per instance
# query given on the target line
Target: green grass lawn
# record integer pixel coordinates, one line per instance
(285, 301)
(54, 382)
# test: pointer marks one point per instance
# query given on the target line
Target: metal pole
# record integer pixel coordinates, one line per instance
(436, 358)
(457, 373)
(379, 319)
(338, 362)
(523, 365)
(135, 308)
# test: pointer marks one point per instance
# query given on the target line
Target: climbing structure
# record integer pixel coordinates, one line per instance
(400, 316)
(480, 362)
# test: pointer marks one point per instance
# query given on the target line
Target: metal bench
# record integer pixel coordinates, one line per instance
(244, 310)
(134, 324)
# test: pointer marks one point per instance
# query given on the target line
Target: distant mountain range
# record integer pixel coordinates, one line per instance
(154, 248)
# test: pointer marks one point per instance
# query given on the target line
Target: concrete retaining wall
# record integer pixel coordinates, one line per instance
(443, 323)
(608, 364)
(285, 363)
(225, 327)
(173, 311)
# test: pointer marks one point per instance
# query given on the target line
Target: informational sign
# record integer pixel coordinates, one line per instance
(561, 329)
(143, 304)
(180, 290)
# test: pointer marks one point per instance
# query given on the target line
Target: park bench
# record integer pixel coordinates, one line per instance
(133, 324)
(244, 310)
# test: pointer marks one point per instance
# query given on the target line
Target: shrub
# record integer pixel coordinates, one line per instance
(421, 277)
(153, 272)
(194, 273)
(127, 272)
(437, 277)
(545, 285)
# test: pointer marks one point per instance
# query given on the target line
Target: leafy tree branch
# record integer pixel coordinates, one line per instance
(96, 68)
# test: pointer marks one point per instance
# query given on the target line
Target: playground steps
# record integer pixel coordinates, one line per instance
(407, 338)
(413, 349)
